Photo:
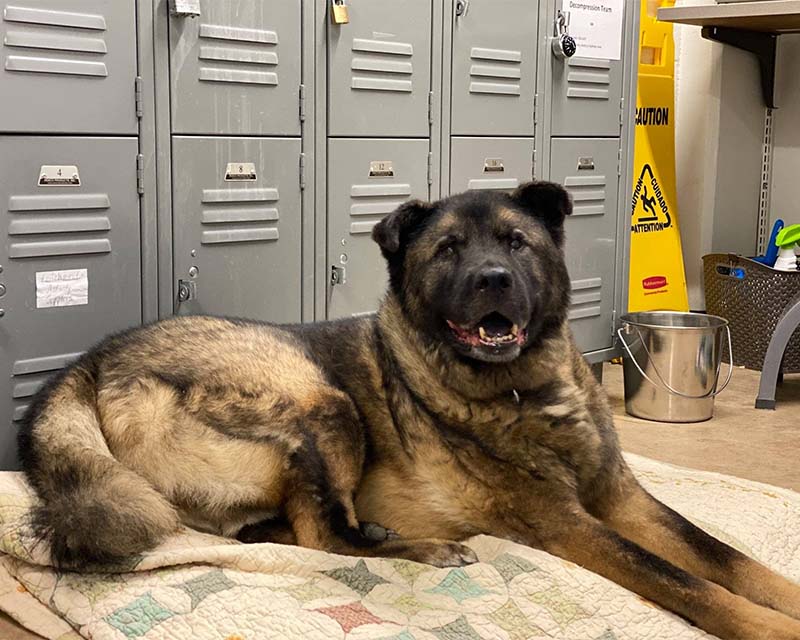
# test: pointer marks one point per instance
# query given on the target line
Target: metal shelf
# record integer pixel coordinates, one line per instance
(751, 26)
(774, 16)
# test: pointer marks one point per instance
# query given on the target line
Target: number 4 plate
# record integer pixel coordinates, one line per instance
(59, 176)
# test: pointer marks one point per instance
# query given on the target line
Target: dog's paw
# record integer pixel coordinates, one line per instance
(448, 554)
(377, 533)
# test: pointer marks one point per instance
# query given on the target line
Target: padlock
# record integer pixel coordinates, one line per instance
(339, 14)
(563, 44)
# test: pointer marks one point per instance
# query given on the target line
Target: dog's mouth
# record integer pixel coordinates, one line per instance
(493, 330)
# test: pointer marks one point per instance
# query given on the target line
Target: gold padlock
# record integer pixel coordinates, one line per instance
(339, 13)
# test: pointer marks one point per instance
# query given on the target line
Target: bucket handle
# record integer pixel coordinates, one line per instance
(710, 394)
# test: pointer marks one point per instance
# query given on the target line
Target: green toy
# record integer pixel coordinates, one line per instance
(786, 240)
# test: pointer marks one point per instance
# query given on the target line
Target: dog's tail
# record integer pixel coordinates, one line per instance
(92, 509)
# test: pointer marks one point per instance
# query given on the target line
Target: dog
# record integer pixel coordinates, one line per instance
(462, 407)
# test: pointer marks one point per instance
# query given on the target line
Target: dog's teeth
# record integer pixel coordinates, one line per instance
(514, 330)
(482, 333)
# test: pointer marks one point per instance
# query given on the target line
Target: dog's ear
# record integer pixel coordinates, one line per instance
(547, 201)
(393, 231)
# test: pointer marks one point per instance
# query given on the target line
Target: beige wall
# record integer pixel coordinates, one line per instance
(718, 137)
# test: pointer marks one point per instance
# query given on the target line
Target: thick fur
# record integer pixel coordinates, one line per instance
(299, 434)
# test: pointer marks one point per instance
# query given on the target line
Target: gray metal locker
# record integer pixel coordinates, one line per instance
(68, 67)
(236, 68)
(494, 68)
(588, 169)
(490, 163)
(69, 255)
(379, 76)
(367, 179)
(237, 226)
(586, 97)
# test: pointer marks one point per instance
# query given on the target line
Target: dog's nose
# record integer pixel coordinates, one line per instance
(494, 279)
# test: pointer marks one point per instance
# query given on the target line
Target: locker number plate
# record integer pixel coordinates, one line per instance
(493, 165)
(59, 176)
(381, 169)
(241, 172)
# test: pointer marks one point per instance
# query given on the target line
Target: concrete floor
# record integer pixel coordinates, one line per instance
(739, 440)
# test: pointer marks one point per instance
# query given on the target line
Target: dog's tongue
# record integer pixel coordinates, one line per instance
(496, 325)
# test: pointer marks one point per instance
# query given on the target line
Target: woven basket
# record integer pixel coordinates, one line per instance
(752, 297)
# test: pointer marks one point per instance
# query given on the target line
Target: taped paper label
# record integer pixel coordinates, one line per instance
(596, 26)
(67, 288)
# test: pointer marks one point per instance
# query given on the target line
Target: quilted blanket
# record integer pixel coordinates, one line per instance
(208, 588)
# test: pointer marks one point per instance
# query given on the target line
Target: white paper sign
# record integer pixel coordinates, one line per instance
(596, 26)
(66, 288)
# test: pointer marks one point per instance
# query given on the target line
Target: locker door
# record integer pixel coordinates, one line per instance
(490, 163)
(68, 67)
(494, 68)
(236, 68)
(379, 69)
(70, 258)
(588, 169)
(586, 97)
(237, 223)
(367, 179)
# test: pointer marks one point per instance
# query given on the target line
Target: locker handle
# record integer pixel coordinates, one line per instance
(462, 6)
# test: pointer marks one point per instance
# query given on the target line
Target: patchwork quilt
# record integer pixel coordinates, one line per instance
(202, 587)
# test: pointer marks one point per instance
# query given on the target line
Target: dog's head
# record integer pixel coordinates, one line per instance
(481, 271)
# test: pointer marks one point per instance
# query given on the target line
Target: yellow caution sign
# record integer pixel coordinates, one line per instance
(657, 278)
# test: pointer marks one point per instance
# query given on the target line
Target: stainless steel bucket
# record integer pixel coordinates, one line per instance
(671, 364)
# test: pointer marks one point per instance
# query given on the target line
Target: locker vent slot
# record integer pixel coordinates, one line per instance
(59, 202)
(58, 248)
(40, 365)
(246, 62)
(30, 374)
(493, 183)
(55, 42)
(59, 32)
(588, 194)
(71, 224)
(224, 224)
(54, 18)
(55, 216)
(373, 202)
(588, 78)
(378, 68)
(499, 76)
(586, 298)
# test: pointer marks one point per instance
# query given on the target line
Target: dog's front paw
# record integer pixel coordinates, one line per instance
(377, 533)
(446, 554)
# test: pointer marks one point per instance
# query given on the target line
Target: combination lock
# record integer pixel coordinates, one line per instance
(564, 45)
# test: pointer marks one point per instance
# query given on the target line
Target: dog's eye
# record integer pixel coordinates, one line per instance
(516, 243)
(447, 247)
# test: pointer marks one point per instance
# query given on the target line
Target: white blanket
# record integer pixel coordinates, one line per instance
(202, 587)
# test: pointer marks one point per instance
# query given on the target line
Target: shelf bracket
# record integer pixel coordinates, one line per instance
(763, 45)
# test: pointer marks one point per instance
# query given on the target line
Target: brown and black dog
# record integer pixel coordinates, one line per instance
(462, 408)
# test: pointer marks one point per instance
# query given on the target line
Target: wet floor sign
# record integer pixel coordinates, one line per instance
(657, 279)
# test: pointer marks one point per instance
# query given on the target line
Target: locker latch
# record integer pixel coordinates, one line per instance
(564, 45)
(185, 8)
(187, 290)
(338, 275)
(462, 6)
